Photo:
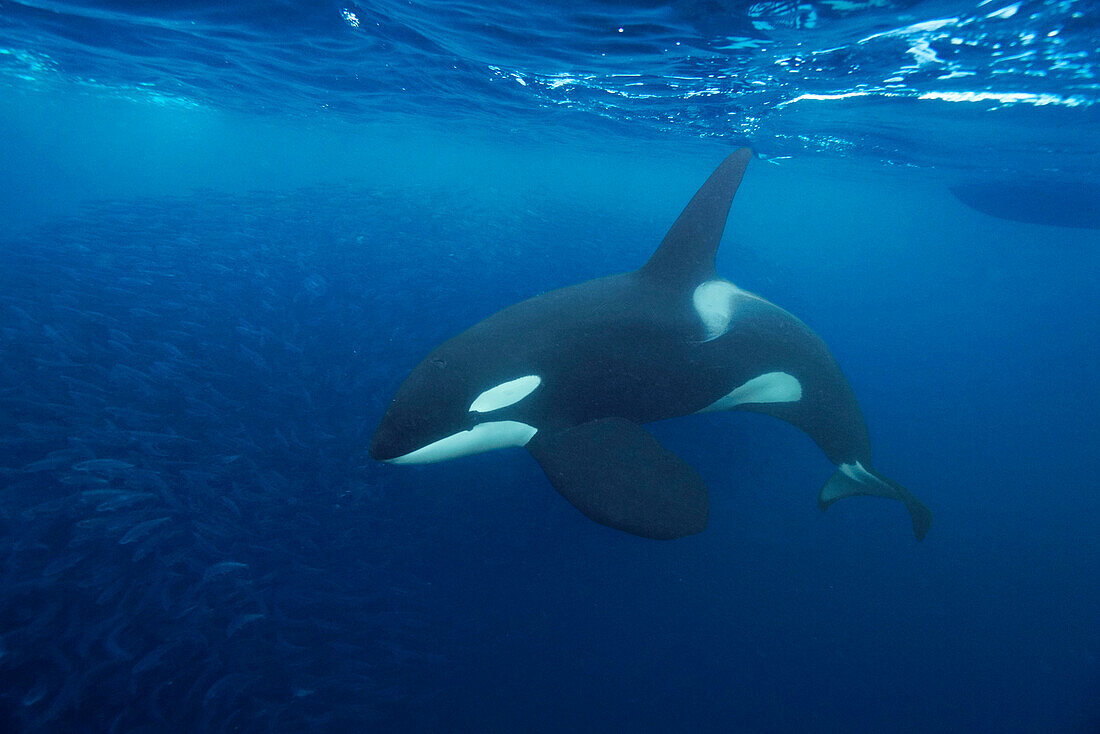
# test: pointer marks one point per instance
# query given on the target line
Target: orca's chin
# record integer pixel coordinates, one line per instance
(380, 450)
(465, 442)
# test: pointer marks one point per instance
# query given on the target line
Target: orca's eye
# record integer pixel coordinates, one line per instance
(505, 394)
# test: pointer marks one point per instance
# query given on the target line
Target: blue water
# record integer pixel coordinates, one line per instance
(230, 230)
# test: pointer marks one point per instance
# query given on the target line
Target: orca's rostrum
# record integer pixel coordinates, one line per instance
(574, 373)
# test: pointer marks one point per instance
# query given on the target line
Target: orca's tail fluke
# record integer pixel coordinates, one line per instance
(852, 480)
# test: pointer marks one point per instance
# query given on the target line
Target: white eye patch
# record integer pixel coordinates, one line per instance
(505, 394)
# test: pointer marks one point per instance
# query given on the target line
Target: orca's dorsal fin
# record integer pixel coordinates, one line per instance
(687, 252)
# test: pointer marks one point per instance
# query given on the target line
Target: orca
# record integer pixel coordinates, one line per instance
(1054, 204)
(572, 375)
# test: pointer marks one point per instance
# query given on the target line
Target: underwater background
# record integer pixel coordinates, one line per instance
(229, 230)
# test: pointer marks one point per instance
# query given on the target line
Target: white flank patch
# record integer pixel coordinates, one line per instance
(714, 301)
(505, 394)
(770, 387)
(480, 438)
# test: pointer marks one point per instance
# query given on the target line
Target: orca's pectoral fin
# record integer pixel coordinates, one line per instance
(617, 474)
(852, 480)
